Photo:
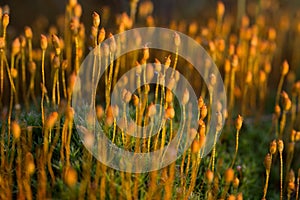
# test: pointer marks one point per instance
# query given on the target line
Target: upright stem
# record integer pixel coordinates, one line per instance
(236, 147)
(281, 176)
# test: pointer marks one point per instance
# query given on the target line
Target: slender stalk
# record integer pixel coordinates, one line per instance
(236, 147)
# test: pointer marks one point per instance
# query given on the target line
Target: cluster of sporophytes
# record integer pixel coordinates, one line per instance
(43, 157)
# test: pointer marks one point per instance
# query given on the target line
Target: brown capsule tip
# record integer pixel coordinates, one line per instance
(268, 162)
(56, 62)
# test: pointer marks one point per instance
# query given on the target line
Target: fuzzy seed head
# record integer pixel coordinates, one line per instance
(101, 35)
(112, 43)
(28, 32)
(186, 97)
(31, 67)
(135, 100)
(176, 39)
(277, 111)
(16, 130)
(71, 81)
(227, 66)
(239, 196)
(272, 34)
(96, 20)
(15, 47)
(203, 112)
(77, 10)
(51, 120)
(293, 135)
(287, 103)
(55, 41)
(149, 72)
(146, 53)
(268, 162)
(170, 113)
(236, 182)
(72, 3)
(157, 65)
(2, 43)
(169, 96)
(171, 84)
(14, 72)
(196, 146)
(239, 122)
(200, 102)
(99, 112)
(168, 62)
(5, 20)
(231, 197)
(220, 9)
(248, 78)
(56, 62)
(201, 127)
(44, 42)
(69, 113)
(285, 68)
(229, 175)
(280, 146)
(273, 147)
(209, 175)
(151, 110)
(70, 177)
(235, 61)
(126, 96)
(297, 137)
(30, 166)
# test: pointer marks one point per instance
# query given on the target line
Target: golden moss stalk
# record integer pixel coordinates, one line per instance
(280, 150)
(238, 126)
